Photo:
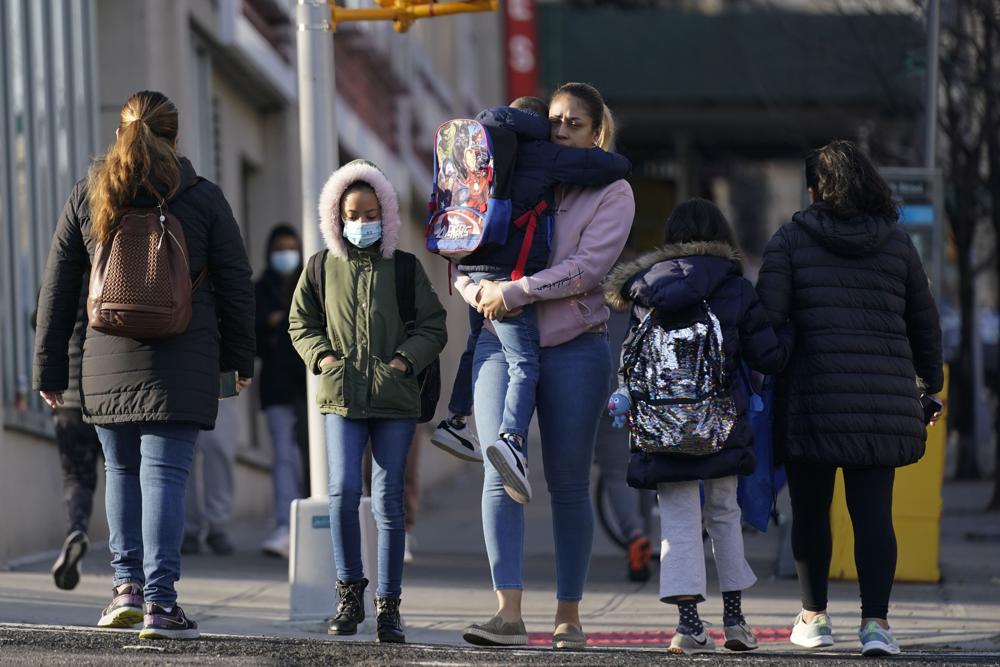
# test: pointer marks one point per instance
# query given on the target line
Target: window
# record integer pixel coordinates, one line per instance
(47, 114)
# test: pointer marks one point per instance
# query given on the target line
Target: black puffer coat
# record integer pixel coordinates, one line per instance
(167, 380)
(866, 326)
(282, 374)
(674, 278)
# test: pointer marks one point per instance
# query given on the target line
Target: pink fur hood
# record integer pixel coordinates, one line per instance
(330, 225)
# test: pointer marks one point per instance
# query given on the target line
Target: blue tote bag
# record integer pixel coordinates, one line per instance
(756, 492)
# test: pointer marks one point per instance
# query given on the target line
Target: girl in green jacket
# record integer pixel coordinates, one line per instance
(349, 332)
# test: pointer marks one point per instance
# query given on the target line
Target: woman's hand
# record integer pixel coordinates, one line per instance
(242, 383)
(399, 365)
(491, 305)
(327, 360)
(53, 398)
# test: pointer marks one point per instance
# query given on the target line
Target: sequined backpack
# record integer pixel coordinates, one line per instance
(674, 369)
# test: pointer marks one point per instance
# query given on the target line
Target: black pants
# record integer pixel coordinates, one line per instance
(79, 449)
(869, 502)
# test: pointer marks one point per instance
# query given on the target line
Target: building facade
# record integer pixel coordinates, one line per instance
(66, 67)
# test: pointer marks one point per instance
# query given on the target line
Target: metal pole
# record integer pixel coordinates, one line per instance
(930, 105)
(318, 143)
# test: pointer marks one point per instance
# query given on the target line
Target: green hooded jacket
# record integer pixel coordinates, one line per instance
(363, 330)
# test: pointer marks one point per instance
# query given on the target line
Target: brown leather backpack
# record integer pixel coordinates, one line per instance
(140, 282)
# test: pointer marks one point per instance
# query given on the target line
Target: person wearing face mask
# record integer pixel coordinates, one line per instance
(282, 381)
(346, 326)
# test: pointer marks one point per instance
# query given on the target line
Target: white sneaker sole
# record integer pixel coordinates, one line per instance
(478, 637)
(123, 617)
(823, 641)
(66, 570)
(516, 486)
(191, 633)
(448, 442)
(679, 650)
(872, 649)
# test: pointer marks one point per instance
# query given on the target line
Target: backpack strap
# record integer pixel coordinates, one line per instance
(316, 278)
(406, 289)
(529, 222)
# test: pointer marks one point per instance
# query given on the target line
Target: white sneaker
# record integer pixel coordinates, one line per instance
(278, 544)
(506, 456)
(816, 634)
(685, 644)
(456, 437)
(876, 640)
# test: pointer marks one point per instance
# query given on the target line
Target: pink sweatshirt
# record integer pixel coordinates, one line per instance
(589, 233)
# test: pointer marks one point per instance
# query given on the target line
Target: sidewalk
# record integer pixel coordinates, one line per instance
(448, 585)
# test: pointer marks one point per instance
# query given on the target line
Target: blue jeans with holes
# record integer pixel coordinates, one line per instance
(147, 466)
(345, 445)
(461, 391)
(572, 391)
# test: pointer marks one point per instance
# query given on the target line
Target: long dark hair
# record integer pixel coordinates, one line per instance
(698, 220)
(845, 180)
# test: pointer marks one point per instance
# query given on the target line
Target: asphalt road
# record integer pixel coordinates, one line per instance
(23, 645)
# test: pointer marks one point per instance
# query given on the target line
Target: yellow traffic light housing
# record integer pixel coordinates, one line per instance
(404, 12)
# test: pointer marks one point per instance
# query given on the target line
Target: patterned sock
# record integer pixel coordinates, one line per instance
(690, 621)
(732, 610)
(458, 421)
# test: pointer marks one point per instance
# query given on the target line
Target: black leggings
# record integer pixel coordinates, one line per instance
(79, 450)
(869, 502)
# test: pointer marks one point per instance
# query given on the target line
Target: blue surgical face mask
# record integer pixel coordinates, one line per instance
(285, 261)
(362, 234)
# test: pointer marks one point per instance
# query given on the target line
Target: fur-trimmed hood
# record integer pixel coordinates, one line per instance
(330, 225)
(624, 272)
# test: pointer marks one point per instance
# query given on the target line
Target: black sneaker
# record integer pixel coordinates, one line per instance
(350, 608)
(66, 570)
(455, 436)
(191, 545)
(125, 609)
(389, 627)
(220, 544)
(161, 624)
(507, 457)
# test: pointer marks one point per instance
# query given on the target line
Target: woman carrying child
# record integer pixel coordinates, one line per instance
(348, 330)
(590, 229)
(699, 268)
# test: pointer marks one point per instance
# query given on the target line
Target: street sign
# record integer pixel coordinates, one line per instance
(919, 193)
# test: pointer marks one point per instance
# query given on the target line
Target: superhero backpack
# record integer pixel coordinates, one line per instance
(470, 201)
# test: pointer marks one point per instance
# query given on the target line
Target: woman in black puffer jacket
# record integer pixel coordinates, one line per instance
(868, 343)
(148, 398)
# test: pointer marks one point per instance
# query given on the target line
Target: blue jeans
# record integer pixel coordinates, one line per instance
(286, 472)
(147, 466)
(572, 390)
(519, 338)
(461, 391)
(345, 445)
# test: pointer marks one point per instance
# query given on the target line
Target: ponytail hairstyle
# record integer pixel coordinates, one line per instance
(600, 115)
(841, 176)
(606, 135)
(143, 152)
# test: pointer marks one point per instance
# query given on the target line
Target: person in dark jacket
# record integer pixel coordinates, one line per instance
(868, 345)
(282, 383)
(147, 398)
(349, 332)
(700, 264)
(79, 449)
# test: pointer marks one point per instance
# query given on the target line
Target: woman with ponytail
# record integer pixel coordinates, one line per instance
(148, 398)
(867, 355)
